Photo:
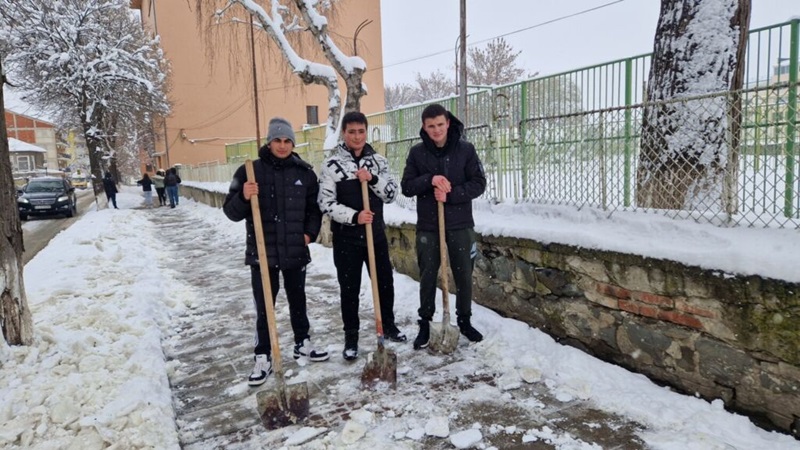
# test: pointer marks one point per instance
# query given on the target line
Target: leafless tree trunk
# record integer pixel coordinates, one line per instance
(687, 146)
(15, 317)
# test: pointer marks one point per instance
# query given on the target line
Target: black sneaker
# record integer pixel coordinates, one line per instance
(392, 333)
(261, 370)
(424, 335)
(350, 351)
(468, 331)
(306, 349)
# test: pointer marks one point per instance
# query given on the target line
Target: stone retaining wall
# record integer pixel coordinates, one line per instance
(699, 331)
(702, 332)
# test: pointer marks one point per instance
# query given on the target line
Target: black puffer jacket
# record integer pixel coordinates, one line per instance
(287, 196)
(459, 163)
(109, 185)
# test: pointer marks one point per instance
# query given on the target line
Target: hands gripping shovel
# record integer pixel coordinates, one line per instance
(286, 404)
(444, 336)
(382, 364)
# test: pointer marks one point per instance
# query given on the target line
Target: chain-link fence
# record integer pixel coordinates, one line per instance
(588, 138)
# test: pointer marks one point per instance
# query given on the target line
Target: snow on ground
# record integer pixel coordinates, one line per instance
(96, 372)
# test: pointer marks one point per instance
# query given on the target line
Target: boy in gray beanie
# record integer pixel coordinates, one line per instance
(280, 128)
(291, 221)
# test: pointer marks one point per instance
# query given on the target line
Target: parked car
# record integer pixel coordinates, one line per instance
(47, 196)
(79, 181)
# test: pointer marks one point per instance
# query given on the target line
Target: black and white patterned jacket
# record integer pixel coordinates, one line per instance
(340, 193)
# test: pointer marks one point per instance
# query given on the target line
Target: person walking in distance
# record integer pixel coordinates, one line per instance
(444, 168)
(340, 196)
(287, 189)
(147, 187)
(110, 186)
(171, 181)
(158, 182)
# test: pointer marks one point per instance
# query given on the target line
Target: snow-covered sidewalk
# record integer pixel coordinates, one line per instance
(124, 299)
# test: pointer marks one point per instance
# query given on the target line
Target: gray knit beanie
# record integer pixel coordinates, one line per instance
(280, 128)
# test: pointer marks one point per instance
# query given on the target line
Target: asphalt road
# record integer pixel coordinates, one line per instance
(38, 231)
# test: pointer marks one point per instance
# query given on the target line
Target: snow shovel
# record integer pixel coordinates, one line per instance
(444, 336)
(382, 364)
(286, 404)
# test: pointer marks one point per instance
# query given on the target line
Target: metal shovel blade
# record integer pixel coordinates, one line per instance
(283, 406)
(444, 337)
(381, 367)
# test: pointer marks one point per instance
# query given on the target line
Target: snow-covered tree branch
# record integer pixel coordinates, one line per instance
(306, 16)
(84, 61)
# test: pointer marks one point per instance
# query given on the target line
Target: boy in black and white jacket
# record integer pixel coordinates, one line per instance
(352, 162)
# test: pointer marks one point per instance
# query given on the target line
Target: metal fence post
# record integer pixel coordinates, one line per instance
(791, 121)
(603, 174)
(628, 131)
(523, 117)
(401, 124)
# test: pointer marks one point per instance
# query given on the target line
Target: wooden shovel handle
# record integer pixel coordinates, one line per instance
(443, 265)
(376, 302)
(265, 280)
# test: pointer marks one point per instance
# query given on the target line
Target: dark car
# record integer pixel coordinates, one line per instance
(47, 196)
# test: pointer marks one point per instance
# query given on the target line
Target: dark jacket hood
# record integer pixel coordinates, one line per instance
(454, 134)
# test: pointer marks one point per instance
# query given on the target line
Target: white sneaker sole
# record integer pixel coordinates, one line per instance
(315, 358)
(258, 382)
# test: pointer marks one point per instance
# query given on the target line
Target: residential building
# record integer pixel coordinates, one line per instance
(26, 124)
(213, 98)
(26, 160)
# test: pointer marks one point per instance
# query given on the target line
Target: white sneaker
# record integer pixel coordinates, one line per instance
(306, 349)
(261, 370)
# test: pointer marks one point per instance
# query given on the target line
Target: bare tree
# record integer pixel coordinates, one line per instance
(699, 49)
(434, 86)
(289, 19)
(89, 64)
(15, 317)
(494, 65)
(398, 95)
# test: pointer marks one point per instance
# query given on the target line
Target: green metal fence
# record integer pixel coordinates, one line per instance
(573, 138)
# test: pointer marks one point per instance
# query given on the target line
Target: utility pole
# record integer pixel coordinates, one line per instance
(154, 8)
(462, 90)
(255, 83)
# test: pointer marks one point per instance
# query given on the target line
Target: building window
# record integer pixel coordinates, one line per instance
(312, 115)
(24, 163)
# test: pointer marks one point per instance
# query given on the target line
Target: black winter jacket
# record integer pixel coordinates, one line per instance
(146, 184)
(109, 185)
(287, 196)
(459, 163)
(171, 179)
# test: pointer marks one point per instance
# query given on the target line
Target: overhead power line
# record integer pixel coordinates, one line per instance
(548, 22)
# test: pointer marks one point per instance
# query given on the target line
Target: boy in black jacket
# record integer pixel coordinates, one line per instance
(287, 188)
(444, 168)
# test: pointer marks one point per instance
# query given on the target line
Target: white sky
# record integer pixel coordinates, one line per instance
(414, 28)
(104, 296)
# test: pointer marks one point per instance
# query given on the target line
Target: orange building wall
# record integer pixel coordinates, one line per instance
(213, 107)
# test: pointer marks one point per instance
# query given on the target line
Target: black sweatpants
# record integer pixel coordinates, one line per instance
(349, 259)
(461, 252)
(162, 196)
(294, 284)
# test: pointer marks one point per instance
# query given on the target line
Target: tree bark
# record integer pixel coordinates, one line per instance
(15, 317)
(688, 145)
